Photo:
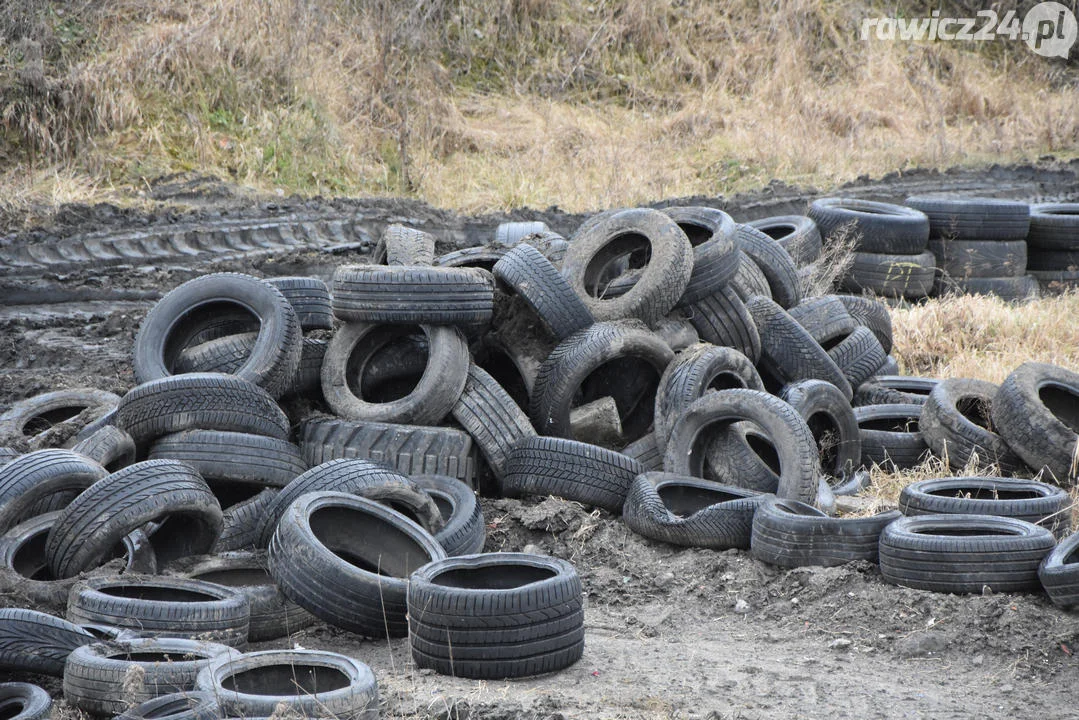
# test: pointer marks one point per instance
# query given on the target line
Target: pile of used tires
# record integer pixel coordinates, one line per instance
(292, 456)
(936, 245)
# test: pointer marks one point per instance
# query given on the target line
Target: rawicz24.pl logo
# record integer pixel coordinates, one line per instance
(1048, 28)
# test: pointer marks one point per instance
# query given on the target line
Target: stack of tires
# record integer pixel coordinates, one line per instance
(889, 244)
(1053, 246)
(980, 245)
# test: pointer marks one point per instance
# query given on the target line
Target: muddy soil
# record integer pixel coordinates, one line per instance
(670, 632)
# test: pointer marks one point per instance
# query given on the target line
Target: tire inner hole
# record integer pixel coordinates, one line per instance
(898, 425)
(11, 709)
(493, 577)
(499, 365)
(827, 436)
(963, 532)
(684, 500)
(621, 255)
(157, 593)
(368, 542)
(981, 493)
(632, 383)
(43, 421)
(778, 232)
(976, 410)
(151, 657)
(1063, 403)
(388, 363)
(296, 678)
(236, 577)
(697, 234)
(206, 322)
(726, 380)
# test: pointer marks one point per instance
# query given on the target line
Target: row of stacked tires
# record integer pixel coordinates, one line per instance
(291, 456)
(936, 245)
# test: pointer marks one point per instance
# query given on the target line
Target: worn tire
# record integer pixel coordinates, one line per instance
(408, 246)
(542, 287)
(109, 446)
(1036, 411)
(189, 705)
(894, 390)
(873, 314)
(878, 227)
(23, 701)
(42, 481)
(969, 218)
(1029, 500)
(961, 259)
(891, 436)
(894, 276)
(35, 642)
(1059, 573)
(956, 424)
(463, 530)
(26, 417)
(792, 534)
(830, 418)
(309, 298)
(1012, 289)
(240, 523)
(797, 234)
(711, 232)
(235, 457)
(491, 417)
(775, 262)
(722, 319)
(1054, 226)
(646, 452)
(859, 355)
(413, 294)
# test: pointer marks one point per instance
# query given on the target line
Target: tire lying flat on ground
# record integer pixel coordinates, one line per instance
(793, 534)
(1029, 500)
(971, 218)
(874, 227)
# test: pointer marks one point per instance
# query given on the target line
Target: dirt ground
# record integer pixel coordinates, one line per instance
(670, 632)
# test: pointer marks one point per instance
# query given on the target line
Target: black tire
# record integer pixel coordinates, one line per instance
(1053, 260)
(741, 455)
(966, 218)
(272, 614)
(961, 259)
(491, 417)
(894, 276)
(711, 232)
(413, 294)
(859, 355)
(240, 523)
(32, 417)
(1054, 226)
(166, 492)
(347, 559)
(689, 511)
(830, 418)
(433, 396)
(309, 298)
(24, 566)
(664, 277)
(873, 314)
(890, 436)
(511, 234)
(677, 332)
(354, 476)
(646, 452)
(894, 390)
(311, 683)
(23, 701)
(1059, 573)
(963, 553)
(749, 279)
(109, 678)
(825, 318)
(890, 367)
(618, 359)
(483, 257)
(797, 234)
(42, 481)
(188, 705)
(551, 244)
(1029, 500)
(235, 457)
(410, 449)
(792, 534)
(694, 372)
(498, 615)
(1012, 289)
(788, 352)
(160, 606)
(34, 642)
(956, 423)
(109, 446)
(875, 227)
(789, 434)
(463, 530)
(166, 330)
(199, 401)
(588, 474)
(227, 354)
(1036, 411)
(776, 264)
(722, 319)
(1057, 281)
(543, 288)
(408, 246)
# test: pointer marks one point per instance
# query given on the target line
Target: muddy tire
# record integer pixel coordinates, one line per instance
(159, 606)
(830, 418)
(165, 331)
(1036, 411)
(722, 319)
(894, 276)
(508, 615)
(37, 414)
(588, 474)
(412, 294)
(797, 234)
(272, 614)
(891, 436)
(430, 400)
(741, 455)
(689, 511)
(408, 246)
(793, 534)
(962, 259)
(483, 257)
(23, 701)
(511, 234)
(227, 354)
(775, 262)
(240, 523)
(491, 417)
(256, 684)
(1059, 573)
(235, 457)
(963, 553)
(109, 446)
(793, 441)
(199, 401)
(962, 218)
(788, 352)
(310, 298)
(749, 280)
(695, 371)
(894, 390)
(163, 491)
(956, 424)
(590, 358)
(711, 232)
(35, 642)
(543, 288)
(340, 591)
(877, 227)
(42, 481)
(663, 280)
(410, 449)
(463, 530)
(873, 314)
(1029, 500)
(99, 678)
(188, 705)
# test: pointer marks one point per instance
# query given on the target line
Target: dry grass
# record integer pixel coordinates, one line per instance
(490, 104)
